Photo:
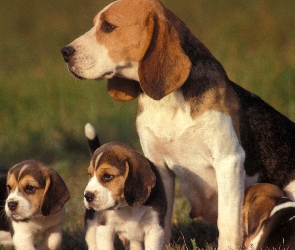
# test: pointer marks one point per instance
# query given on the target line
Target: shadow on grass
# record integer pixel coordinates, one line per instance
(75, 241)
(193, 235)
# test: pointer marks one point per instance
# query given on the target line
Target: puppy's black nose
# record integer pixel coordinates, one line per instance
(89, 196)
(12, 205)
(67, 53)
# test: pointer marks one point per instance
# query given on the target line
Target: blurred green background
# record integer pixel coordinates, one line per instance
(43, 108)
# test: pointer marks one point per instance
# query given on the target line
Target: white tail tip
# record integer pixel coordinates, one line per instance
(90, 131)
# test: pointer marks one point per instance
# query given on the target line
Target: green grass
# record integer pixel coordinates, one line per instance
(43, 109)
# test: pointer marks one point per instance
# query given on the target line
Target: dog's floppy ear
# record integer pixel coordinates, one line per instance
(260, 199)
(56, 193)
(259, 212)
(122, 89)
(140, 180)
(165, 66)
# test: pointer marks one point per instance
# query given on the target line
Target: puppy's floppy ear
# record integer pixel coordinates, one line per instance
(140, 180)
(259, 212)
(122, 89)
(56, 193)
(260, 199)
(165, 66)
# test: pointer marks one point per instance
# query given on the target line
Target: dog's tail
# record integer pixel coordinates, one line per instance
(93, 141)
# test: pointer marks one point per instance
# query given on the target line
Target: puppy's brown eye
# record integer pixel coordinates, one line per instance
(107, 177)
(107, 27)
(30, 189)
(8, 188)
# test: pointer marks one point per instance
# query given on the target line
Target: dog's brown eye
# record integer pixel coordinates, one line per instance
(107, 27)
(8, 188)
(30, 189)
(107, 177)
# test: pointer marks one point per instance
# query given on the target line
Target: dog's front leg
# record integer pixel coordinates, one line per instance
(168, 179)
(90, 228)
(135, 245)
(52, 238)
(230, 176)
(22, 238)
(105, 235)
(154, 238)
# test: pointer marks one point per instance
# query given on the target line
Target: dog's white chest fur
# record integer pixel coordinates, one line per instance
(135, 224)
(131, 228)
(192, 147)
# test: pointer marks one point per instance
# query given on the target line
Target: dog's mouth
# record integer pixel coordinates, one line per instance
(76, 75)
(108, 74)
(18, 218)
(97, 208)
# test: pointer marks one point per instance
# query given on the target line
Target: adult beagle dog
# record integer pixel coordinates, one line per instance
(269, 218)
(124, 195)
(35, 205)
(193, 122)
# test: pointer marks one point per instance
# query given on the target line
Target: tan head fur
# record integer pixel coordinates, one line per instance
(36, 188)
(117, 174)
(137, 53)
(163, 66)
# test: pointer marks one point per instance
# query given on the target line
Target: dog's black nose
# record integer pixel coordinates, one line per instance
(12, 205)
(89, 196)
(67, 53)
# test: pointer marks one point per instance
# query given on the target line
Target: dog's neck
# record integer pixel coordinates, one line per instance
(206, 70)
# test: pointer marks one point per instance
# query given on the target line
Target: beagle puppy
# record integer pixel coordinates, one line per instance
(124, 195)
(269, 218)
(193, 122)
(35, 205)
